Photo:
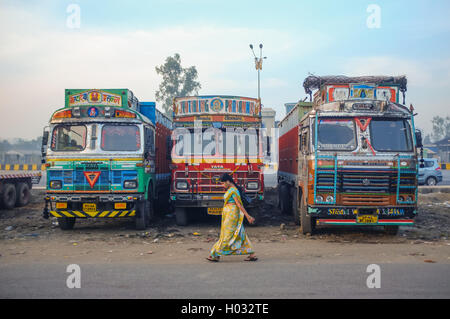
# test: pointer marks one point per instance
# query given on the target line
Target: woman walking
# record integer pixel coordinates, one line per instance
(233, 239)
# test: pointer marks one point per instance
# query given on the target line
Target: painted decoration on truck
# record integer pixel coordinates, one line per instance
(216, 105)
(362, 91)
(96, 97)
(201, 105)
(338, 93)
(387, 93)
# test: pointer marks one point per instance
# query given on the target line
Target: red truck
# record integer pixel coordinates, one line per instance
(215, 135)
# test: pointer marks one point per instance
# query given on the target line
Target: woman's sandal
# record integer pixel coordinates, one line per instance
(215, 260)
(249, 258)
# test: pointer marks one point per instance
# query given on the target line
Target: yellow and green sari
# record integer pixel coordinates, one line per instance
(233, 239)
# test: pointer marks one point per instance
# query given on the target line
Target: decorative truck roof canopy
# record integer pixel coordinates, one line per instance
(315, 82)
(101, 97)
(91, 104)
(216, 108)
(338, 88)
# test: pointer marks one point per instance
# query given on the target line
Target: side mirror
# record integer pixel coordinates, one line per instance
(268, 145)
(44, 145)
(419, 142)
(422, 161)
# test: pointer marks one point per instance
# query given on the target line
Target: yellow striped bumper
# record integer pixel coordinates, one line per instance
(102, 214)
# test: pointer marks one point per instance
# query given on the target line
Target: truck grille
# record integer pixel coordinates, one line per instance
(208, 181)
(369, 187)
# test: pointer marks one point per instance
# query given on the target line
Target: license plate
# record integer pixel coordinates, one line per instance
(214, 210)
(367, 219)
(89, 207)
(61, 205)
(120, 205)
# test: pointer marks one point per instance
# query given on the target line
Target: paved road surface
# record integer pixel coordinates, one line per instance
(225, 280)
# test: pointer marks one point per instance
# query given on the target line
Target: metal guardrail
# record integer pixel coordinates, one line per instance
(22, 167)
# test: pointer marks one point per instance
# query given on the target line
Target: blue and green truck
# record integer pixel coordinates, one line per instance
(107, 156)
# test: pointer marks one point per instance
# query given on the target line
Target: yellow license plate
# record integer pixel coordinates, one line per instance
(214, 210)
(367, 219)
(120, 205)
(89, 207)
(61, 205)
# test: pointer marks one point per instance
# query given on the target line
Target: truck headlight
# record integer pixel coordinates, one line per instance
(252, 185)
(181, 185)
(330, 199)
(55, 184)
(130, 184)
(319, 199)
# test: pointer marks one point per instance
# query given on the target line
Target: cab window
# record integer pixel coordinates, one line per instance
(121, 138)
(69, 138)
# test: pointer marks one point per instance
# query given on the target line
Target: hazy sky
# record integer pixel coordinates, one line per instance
(119, 43)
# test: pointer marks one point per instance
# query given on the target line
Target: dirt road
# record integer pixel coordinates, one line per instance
(25, 236)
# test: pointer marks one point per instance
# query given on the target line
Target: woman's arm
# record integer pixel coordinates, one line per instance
(241, 207)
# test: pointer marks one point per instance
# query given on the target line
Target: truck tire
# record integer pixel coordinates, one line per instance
(391, 230)
(285, 199)
(23, 194)
(66, 223)
(150, 210)
(181, 216)
(141, 218)
(306, 222)
(9, 196)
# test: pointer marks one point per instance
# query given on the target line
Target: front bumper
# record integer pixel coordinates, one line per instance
(209, 200)
(386, 216)
(104, 205)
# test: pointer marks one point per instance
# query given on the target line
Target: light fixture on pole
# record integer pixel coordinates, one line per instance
(258, 66)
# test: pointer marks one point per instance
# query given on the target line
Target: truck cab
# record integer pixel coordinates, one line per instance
(356, 159)
(100, 159)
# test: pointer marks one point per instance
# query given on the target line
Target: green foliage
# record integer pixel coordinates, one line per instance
(441, 128)
(176, 82)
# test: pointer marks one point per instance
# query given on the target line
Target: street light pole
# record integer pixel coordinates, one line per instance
(258, 66)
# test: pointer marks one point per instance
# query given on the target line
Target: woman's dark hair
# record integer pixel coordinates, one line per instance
(227, 178)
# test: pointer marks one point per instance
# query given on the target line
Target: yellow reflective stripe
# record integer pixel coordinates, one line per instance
(124, 213)
(55, 214)
(103, 214)
(79, 214)
(67, 214)
(92, 214)
(114, 213)
(133, 212)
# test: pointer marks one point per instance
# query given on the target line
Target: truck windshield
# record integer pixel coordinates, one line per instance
(336, 135)
(69, 138)
(390, 135)
(120, 138)
(190, 143)
(238, 142)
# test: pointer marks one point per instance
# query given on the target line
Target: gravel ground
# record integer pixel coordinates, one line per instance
(26, 223)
